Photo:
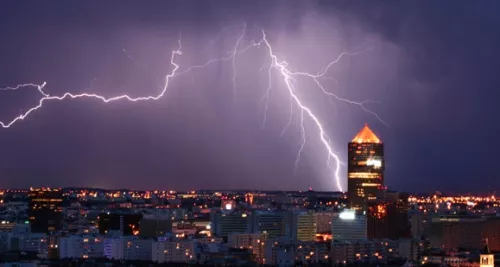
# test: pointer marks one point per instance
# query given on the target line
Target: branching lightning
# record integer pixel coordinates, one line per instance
(39, 87)
(280, 66)
(288, 77)
(47, 97)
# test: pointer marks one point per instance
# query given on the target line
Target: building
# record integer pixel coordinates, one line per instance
(223, 223)
(252, 242)
(324, 221)
(126, 223)
(173, 251)
(418, 221)
(486, 259)
(45, 209)
(4, 242)
(155, 226)
(410, 249)
(349, 226)
(280, 254)
(365, 169)
(49, 248)
(397, 217)
(178, 214)
(81, 247)
(114, 248)
(460, 258)
(304, 226)
(137, 249)
(377, 220)
(388, 218)
(288, 252)
(343, 252)
(451, 232)
(273, 223)
(29, 242)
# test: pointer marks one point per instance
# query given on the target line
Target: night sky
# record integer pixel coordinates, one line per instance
(432, 69)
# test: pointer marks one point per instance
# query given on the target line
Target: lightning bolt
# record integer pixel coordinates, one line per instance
(266, 95)
(235, 52)
(280, 66)
(39, 87)
(289, 79)
(47, 97)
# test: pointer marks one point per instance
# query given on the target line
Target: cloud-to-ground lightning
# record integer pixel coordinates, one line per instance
(280, 66)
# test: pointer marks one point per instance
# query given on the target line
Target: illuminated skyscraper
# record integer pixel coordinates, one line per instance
(365, 168)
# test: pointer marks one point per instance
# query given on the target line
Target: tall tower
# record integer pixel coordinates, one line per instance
(487, 259)
(365, 169)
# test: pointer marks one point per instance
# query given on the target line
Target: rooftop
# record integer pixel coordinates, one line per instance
(366, 136)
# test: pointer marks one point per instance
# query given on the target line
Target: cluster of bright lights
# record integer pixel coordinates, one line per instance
(437, 203)
(280, 66)
(374, 162)
(347, 215)
(435, 199)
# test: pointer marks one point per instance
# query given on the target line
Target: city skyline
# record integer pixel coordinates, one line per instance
(435, 92)
(397, 229)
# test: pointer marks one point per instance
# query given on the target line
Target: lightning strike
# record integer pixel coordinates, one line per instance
(235, 52)
(303, 139)
(266, 95)
(47, 97)
(289, 118)
(322, 73)
(289, 78)
(39, 87)
(219, 59)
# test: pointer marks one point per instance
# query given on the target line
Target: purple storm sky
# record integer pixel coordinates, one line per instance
(430, 67)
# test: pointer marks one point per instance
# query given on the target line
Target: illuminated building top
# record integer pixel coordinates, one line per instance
(366, 136)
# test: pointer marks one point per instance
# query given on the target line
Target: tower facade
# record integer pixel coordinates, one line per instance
(365, 169)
